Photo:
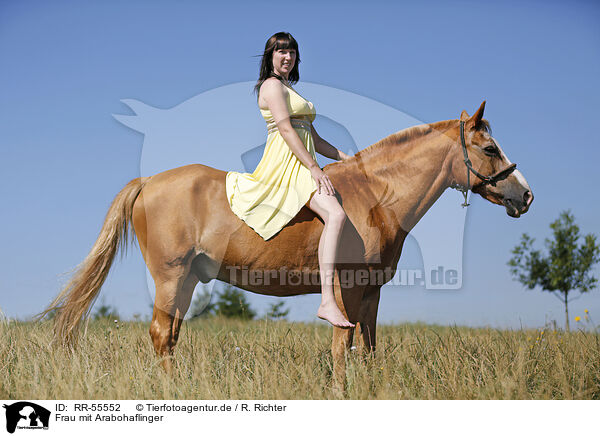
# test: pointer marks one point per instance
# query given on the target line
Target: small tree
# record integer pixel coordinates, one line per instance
(565, 269)
(105, 311)
(232, 303)
(276, 311)
(201, 304)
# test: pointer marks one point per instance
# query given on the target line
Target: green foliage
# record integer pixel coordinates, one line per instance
(201, 304)
(567, 266)
(106, 312)
(232, 303)
(276, 311)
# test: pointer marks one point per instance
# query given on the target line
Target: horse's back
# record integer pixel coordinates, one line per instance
(187, 201)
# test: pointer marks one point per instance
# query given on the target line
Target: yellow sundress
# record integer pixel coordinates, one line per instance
(274, 193)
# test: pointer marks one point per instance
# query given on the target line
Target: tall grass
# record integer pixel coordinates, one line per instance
(223, 359)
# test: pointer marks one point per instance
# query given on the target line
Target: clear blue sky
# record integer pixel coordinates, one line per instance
(63, 156)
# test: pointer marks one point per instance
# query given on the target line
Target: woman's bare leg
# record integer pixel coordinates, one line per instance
(332, 213)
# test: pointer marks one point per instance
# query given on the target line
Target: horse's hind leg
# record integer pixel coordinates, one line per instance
(173, 297)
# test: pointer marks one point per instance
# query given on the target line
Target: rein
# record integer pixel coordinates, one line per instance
(491, 180)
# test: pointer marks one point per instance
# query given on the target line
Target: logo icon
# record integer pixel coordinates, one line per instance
(26, 415)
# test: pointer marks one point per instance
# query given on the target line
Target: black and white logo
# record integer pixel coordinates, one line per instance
(26, 415)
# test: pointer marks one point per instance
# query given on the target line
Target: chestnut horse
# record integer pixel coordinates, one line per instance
(187, 232)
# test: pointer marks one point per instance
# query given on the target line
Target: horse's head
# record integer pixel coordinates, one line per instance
(493, 176)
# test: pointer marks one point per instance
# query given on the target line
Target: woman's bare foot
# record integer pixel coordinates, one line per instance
(330, 312)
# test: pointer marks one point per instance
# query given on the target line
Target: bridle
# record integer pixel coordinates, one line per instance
(491, 180)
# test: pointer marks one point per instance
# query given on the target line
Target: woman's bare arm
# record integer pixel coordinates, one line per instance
(325, 148)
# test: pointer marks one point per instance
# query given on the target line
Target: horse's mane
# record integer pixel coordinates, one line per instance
(413, 132)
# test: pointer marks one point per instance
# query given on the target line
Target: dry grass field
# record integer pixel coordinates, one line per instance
(227, 359)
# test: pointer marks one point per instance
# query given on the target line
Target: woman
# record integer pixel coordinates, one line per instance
(288, 176)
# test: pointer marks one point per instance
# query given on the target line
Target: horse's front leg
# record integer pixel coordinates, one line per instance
(367, 319)
(348, 299)
(342, 340)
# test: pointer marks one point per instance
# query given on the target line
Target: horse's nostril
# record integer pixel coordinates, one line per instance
(527, 197)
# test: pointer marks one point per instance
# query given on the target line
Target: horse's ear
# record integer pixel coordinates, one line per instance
(477, 116)
(464, 116)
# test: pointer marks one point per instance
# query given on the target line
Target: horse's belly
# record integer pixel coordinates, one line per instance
(282, 281)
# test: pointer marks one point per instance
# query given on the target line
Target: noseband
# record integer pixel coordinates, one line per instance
(491, 180)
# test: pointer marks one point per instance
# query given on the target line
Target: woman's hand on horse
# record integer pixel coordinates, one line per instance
(322, 180)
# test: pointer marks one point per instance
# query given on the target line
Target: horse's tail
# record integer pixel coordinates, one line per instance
(73, 303)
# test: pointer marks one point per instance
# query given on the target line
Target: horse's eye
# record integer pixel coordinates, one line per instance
(490, 150)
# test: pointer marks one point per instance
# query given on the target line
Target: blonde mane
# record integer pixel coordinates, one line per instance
(410, 133)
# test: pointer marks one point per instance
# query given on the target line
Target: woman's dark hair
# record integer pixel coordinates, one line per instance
(280, 40)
